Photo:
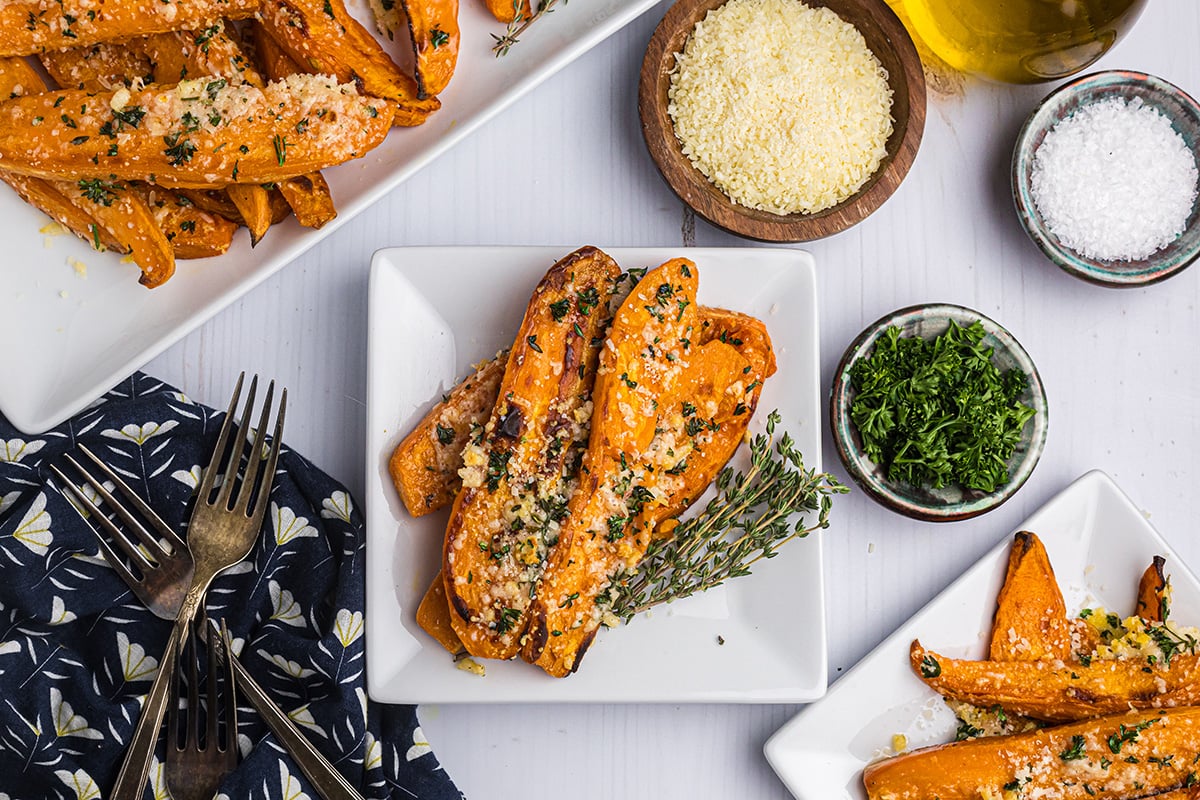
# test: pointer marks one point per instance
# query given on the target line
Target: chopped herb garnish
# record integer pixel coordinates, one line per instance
(936, 412)
(1075, 751)
(930, 668)
(438, 37)
(280, 148)
(98, 191)
(559, 309)
(445, 435)
(532, 340)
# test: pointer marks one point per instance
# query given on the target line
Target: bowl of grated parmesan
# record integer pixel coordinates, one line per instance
(1105, 179)
(782, 120)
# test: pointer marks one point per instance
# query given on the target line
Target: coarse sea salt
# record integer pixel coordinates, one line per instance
(1114, 181)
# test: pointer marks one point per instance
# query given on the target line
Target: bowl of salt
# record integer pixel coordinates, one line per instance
(1104, 177)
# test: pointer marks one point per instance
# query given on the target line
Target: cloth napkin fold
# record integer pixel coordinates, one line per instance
(78, 651)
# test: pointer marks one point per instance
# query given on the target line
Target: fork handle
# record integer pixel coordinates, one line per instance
(329, 783)
(131, 780)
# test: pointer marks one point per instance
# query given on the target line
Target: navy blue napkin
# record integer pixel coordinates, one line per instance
(78, 651)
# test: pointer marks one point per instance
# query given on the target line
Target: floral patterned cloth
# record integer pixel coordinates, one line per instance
(78, 651)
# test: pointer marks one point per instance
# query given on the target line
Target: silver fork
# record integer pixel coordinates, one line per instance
(221, 533)
(165, 600)
(164, 564)
(195, 770)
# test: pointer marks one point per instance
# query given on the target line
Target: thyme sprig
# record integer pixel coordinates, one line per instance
(521, 23)
(752, 516)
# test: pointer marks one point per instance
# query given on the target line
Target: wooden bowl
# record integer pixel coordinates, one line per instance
(891, 44)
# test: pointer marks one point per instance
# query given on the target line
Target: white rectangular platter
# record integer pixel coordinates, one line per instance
(78, 337)
(436, 311)
(1098, 543)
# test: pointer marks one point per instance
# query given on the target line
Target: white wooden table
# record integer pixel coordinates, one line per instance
(567, 166)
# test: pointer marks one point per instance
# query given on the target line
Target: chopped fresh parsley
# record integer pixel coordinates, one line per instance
(937, 412)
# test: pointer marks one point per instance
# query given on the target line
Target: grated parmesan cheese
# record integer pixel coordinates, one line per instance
(782, 106)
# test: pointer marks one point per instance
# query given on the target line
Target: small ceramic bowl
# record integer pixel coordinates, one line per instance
(950, 503)
(888, 40)
(1176, 105)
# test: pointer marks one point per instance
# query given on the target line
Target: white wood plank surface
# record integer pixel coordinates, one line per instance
(567, 166)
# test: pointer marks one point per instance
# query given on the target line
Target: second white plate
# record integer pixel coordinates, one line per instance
(434, 312)
(1098, 543)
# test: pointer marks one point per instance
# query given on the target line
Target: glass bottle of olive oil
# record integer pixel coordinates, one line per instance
(1021, 41)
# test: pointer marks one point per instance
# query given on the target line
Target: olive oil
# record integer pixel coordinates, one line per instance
(1021, 41)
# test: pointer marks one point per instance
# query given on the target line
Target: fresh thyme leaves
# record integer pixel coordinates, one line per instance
(936, 412)
(98, 191)
(521, 23)
(759, 507)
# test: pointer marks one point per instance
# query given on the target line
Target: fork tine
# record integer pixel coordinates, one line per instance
(260, 502)
(156, 549)
(211, 704)
(193, 698)
(210, 472)
(173, 712)
(231, 722)
(162, 528)
(238, 445)
(128, 548)
(260, 434)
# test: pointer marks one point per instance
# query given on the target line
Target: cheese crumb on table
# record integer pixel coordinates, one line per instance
(782, 106)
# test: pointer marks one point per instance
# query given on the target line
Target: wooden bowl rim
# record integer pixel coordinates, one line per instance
(711, 203)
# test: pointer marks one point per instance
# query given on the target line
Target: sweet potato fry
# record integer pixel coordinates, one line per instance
(1154, 593)
(124, 214)
(433, 28)
(118, 213)
(309, 198)
(46, 196)
(521, 471)
(433, 615)
(192, 232)
(1111, 758)
(214, 201)
(203, 53)
(28, 27)
(254, 207)
(1058, 692)
(1030, 623)
(105, 66)
(195, 135)
(333, 42)
(424, 466)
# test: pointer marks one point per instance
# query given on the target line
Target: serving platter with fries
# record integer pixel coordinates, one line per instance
(87, 319)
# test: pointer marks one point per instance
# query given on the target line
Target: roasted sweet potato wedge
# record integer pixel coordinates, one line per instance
(322, 37)
(200, 134)
(1111, 758)
(424, 466)
(521, 470)
(1061, 692)
(101, 67)
(47, 196)
(124, 214)
(1030, 623)
(192, 232)
(1154, 593)
(625, 466)
(28, 27)
(433, 615)
(194, 54)
(309, 198)
(254, 207)
(433, 28)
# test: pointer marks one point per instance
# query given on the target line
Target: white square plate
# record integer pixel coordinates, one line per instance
(79, 337)
(434, 312)
(1098, 542)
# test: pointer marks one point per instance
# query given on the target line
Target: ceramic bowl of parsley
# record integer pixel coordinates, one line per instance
(938, 412)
